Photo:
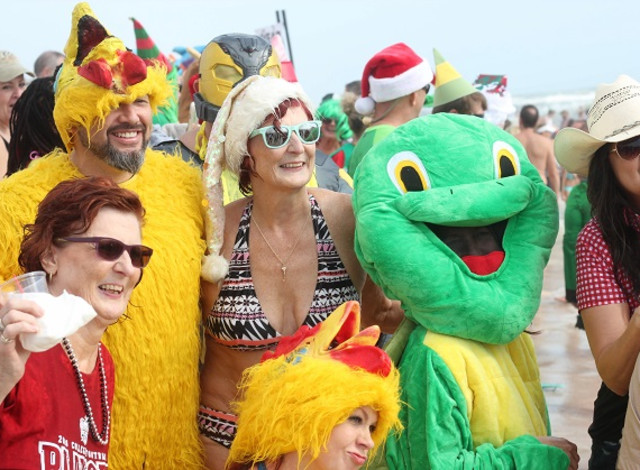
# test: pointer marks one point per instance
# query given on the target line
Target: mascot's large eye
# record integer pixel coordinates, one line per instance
(227, 73)
(505, 160)
(271, 71)
(408, 173)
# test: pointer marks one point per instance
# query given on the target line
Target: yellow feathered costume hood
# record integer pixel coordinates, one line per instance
(100, 73)
(312, 382)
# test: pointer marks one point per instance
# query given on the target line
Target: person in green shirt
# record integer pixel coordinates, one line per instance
(395, 83)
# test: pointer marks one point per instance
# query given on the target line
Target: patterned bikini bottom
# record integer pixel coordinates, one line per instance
(217, 425)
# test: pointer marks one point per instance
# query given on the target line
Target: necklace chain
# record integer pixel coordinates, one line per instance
(103, 437)
(283, 263)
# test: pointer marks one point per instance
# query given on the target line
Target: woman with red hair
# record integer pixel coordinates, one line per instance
(55, 405)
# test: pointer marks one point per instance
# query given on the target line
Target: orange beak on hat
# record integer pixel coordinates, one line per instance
(337, 338)
(129, 70)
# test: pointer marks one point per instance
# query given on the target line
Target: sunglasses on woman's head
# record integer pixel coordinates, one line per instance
(628, 149)
(308, 132)
(111, 249)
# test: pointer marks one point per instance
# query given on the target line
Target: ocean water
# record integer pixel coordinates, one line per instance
(575, 102)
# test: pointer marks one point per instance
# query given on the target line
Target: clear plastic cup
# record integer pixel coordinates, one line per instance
(33, 282)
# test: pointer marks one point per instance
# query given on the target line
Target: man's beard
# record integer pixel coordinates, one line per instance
(130, 161)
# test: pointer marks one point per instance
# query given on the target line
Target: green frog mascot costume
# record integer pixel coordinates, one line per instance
(455, 222)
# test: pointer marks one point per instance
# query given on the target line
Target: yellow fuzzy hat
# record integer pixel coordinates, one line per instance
(99, 73)
(312, 382)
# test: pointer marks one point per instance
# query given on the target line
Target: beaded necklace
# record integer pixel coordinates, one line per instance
(103, 437)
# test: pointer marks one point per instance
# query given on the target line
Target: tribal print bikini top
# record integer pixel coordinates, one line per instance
(237, 320)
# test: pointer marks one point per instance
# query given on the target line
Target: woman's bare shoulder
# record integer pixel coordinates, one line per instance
(233, 211)
(331, 200)
(337, 211)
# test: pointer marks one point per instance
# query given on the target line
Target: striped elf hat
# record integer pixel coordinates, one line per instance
(146, 47)
(450, 85)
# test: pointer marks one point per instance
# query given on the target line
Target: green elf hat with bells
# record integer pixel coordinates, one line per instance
(450, 85)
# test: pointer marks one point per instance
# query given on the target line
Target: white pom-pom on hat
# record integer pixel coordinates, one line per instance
(365, 106)
(214, 268)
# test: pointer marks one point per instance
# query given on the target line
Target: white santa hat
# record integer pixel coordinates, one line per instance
(394, 72)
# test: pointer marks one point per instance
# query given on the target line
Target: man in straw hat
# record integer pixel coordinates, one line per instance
(607, 253)
(105, 98)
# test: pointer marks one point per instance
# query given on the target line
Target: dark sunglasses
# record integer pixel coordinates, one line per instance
(308, 132)
(111, 249)
(628, 149)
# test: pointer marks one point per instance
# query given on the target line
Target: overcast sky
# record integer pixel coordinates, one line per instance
(543, 46)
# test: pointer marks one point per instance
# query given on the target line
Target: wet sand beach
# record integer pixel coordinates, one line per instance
(568, 373)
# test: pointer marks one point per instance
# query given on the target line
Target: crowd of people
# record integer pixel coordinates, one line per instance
(331, 286)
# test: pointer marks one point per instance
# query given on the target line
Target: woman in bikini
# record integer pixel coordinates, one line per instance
(289, 248)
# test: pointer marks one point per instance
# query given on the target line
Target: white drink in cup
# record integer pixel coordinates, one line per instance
(30, 286)
(63, 315)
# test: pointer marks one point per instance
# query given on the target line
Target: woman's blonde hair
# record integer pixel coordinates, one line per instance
(291, 403)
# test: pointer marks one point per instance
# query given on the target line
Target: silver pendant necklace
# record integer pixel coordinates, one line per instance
(103, 437)
(283, 263)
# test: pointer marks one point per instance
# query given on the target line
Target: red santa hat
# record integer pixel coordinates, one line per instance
(392, 73)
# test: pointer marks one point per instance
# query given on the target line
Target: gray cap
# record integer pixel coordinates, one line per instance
(10, 67)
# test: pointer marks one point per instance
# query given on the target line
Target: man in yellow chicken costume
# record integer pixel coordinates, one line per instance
(105, 97)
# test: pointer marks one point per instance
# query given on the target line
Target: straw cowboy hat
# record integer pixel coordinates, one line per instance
(613, 117)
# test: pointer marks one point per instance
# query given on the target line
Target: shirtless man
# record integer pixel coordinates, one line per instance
(539, 148)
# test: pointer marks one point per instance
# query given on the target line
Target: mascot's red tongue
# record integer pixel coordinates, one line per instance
(485, 264)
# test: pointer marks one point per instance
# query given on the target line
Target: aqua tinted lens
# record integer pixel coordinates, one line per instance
(309, 132)
(274, 138)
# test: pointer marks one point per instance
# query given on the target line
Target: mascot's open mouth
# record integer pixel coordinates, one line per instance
(480, 248)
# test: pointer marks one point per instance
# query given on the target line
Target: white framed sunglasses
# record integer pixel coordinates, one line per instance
(308, 132)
